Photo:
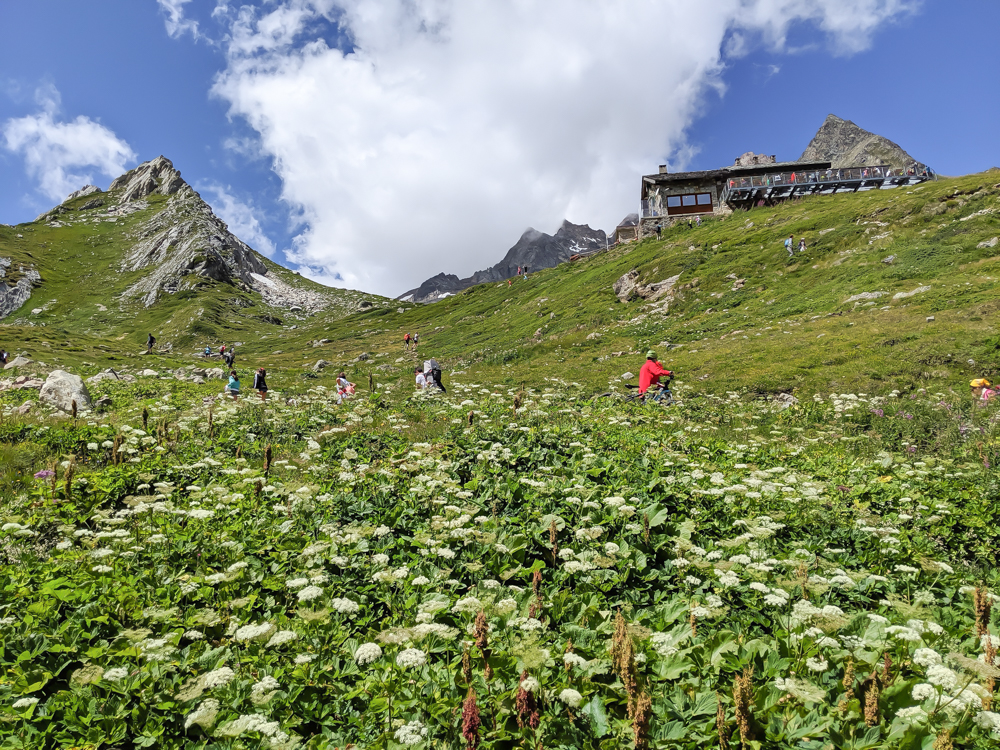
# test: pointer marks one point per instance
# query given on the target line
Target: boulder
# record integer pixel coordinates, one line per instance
(25, 407)
(18, 361)
(320, 364)
(627, 375)
(592, 336)
(215, 372)
(148, 374)
(624, 288)
(364, 357)
(786, 399)
(103, 402)
(198, 379)
(33, 383)
(992, 242)
(62, 388)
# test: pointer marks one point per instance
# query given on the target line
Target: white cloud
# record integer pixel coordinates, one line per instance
(177, 25)
(452, 125)
(241, 217)
(63, 156)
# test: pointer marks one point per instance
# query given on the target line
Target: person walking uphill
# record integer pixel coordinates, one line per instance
(432, 371)
(150, 343)
(260, 383)
(406, 342)
(789, 246)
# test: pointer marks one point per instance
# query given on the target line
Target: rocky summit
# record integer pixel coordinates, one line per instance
(846, 145)
(534, 249)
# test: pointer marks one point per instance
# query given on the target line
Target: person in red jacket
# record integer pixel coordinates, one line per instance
(650, 374)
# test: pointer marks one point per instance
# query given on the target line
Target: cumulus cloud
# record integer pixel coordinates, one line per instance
(239, 215)
(440, 129)
(63, 156)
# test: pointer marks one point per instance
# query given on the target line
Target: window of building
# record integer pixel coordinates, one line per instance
(692, 203)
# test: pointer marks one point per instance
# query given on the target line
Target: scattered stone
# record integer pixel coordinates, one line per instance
(198, 379)
(37, 311)
(400, 310)
(625, 286)
(148, 374)
(592, 336)
(364, 357)
(62, 388)
(627, 375)
(930, 318)
(786, 399)
(279, 351)
(215, 373)
(25, 407)
(864, 296)
(992, 242)
(888, 260)
(918, 290)
(102, 403)
(18, 361)
(30, 383)
(320, 364)
(198, 371)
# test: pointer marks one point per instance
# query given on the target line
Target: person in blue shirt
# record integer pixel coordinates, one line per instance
(234, 385)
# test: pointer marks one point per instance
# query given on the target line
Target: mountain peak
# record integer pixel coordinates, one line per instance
(845, 144)
(155, 176)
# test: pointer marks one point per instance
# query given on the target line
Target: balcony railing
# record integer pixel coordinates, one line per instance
(794, 183)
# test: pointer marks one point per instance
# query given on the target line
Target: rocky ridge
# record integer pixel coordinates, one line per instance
(534, 249)
(846, 145)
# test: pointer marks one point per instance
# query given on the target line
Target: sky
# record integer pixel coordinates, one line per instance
(372, 145)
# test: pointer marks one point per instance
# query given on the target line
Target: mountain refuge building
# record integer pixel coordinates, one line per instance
(756, 180)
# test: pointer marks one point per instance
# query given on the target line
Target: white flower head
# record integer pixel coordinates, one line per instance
(367, 653)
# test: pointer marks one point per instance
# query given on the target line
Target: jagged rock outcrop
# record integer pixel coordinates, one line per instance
(85, 190)
(183, 242)
(13, 296)
(534, 249)
(846, 145)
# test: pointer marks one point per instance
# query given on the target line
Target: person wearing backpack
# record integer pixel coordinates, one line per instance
(260, 382)
(432, 371)
(150, 343)
(406, 342)
(789, 246)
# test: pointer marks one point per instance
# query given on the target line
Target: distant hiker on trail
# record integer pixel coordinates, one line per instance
(421, 380)
(208, 350)
(233, 386)
(508, 282)
(518, 270)
(650, 373)
(222, 350)
(406, 342)
(260, 382)
(432, 371)
(150, 342)
(788, 246)
(230, 357)
(802, 244)
(982, 389)
(697, 221)
(416, 340)
(345, 388)
(525, 276)
(659, 230)
(3, 357)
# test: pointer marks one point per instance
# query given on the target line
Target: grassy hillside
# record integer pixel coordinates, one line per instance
(790, 326)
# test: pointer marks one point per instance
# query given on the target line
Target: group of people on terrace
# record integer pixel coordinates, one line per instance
(828, 175)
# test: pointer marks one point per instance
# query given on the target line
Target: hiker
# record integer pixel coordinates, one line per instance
(788, 246)
(406, 342)
(525, 276)
(260, 382)
(150, 341)
(802, 244)
(650, 373)
(982, 389)
(208, 350)
(3, 357)
(508, 282)
(697, 221)
(421, 379)
(230, 357)
(345, 388)
(432, 371)
(518, 270)
(233, 386)
(416, 340)
(659, 230)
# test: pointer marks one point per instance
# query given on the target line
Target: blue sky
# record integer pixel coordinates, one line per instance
(373, 145)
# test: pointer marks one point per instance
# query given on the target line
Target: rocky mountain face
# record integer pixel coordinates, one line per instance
(846, 145)
(534, 249)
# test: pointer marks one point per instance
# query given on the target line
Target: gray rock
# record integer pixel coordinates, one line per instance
(785, 398)
(918, 290)
(18, 361)
(992, 242)
(148, 374)
(102, 403)
(627, 375)
(592, 336)
(624, 288)
(215, 373)
(930, 318)
(889, 260)
(198, 371)
(364, 357)
(864, 296)
(198, 379)
(14, 296)
(85, 190)
(29, 383)
(25, 407)
(320, 364)
(62, 388)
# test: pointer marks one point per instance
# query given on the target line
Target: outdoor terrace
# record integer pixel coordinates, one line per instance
(767, 189)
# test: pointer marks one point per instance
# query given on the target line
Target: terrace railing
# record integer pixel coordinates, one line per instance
(793, 183)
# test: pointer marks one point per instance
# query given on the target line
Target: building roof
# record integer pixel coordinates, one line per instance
(782, 166)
